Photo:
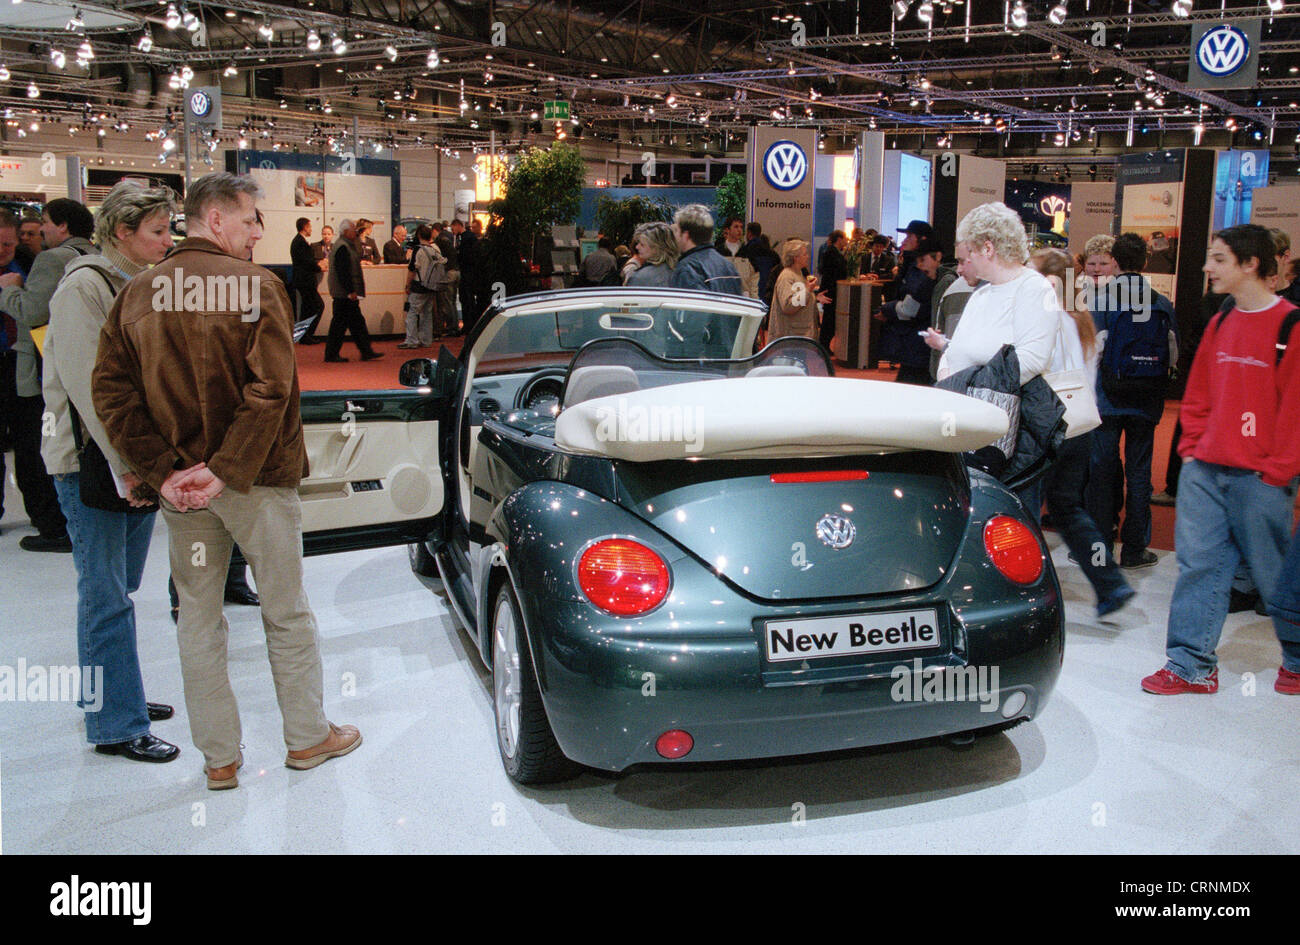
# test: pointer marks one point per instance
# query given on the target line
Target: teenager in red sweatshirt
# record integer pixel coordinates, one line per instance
(1242, 457)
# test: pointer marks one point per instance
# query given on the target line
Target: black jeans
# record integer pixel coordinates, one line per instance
(1106, 472)
(1063, 487)
(39, 497)
(312, 307)
(347, 317)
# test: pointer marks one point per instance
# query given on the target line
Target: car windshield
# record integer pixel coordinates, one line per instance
(679, 328)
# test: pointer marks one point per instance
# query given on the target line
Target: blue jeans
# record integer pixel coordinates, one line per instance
(1105, 493)
(1064, 484)
(1285, 606)
(109, 551)
(1225, 516)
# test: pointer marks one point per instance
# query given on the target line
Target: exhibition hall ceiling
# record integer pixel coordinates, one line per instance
(1047, 80)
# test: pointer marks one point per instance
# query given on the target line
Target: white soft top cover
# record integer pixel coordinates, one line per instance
(776, 417)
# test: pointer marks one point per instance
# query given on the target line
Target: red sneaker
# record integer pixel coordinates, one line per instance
(1288, 683)
(1166, 683)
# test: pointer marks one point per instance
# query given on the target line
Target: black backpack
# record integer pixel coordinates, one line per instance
(1135, 362)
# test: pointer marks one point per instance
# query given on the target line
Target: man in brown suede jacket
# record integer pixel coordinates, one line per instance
(197, 387)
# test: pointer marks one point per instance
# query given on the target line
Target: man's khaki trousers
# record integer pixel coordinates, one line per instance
(267, 525)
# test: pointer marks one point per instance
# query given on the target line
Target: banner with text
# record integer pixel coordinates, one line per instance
(1092, 212)
(782, 181)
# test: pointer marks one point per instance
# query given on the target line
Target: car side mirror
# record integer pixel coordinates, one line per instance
(418, 372)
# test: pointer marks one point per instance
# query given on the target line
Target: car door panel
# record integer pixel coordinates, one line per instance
(375, 477)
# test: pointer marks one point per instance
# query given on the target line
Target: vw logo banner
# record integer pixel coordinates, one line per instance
(1224, 55)
(785, 165)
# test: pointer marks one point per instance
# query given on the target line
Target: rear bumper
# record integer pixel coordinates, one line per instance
(612, 688)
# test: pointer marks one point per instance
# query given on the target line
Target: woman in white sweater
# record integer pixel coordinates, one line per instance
(1017, 307)
(133, 230)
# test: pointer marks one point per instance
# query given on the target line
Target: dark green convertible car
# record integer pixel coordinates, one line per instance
(669, 549)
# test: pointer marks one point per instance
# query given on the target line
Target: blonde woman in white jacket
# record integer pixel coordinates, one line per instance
(1065, 480)
(133, 231)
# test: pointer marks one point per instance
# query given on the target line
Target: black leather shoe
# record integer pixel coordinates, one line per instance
(60, 543)
(159, 712)
(242, 595)
(144, 748)
(372, 356)
(336, 360)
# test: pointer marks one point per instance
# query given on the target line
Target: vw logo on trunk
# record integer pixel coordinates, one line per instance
(836, 531)
(785, 165)
(1222, 50)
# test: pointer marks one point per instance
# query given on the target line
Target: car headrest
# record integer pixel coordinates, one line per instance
(599, 380)
(776, 370)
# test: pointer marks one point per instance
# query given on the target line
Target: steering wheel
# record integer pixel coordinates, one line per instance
(542, 388)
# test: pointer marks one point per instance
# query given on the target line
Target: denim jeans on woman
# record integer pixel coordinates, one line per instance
(109, 551)
(1225, 516)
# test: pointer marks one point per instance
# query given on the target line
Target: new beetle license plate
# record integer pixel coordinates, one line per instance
(851, 634)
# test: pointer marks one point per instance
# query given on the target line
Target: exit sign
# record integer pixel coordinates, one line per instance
(556, 111)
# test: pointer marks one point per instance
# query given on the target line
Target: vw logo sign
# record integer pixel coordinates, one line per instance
(1222, 50)
(785, 165)
(836, 531)
(200, 104)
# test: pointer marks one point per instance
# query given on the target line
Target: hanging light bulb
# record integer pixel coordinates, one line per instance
(900, 8)
(433, 59)
(1056, 16)
(172, 19)
(1182, 8)
(313, 40)
(337, 44)
(391, 52)
(58, 57)
(1019, 15)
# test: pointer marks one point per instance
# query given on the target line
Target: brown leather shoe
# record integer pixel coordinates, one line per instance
(341, 740)
(225, 777)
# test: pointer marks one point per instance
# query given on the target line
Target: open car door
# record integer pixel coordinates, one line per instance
(376, 475)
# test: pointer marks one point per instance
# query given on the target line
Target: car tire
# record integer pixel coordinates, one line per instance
(527, 745)
(421, 561)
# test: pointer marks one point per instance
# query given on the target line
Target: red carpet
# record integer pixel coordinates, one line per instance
(315, 374)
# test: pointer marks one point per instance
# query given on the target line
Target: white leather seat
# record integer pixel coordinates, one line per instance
(599, 380)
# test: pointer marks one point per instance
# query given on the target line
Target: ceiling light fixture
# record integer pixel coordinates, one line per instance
(1056, 16)
(433, 59)
(264, 30)
(1182, 8)
(337, 44)
(391, 52)
(925, 12)
(172, 19)
(900, 8)
(58, 57)
(1019, 15)
(313, 40)
(145, 42)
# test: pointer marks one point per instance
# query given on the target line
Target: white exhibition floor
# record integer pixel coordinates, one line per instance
(1105, 769)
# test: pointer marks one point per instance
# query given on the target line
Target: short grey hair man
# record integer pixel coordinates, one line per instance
(221, 189)
(695, 222)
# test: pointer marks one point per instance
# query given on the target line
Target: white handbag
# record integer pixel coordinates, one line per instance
(1075, 391)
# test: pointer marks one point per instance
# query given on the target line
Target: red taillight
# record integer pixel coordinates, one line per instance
(824, 475)
(1013, 549)
(674, 744)
(623, 577)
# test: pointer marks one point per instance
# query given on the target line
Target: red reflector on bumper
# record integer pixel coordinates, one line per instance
(825, 475)
(674, 744)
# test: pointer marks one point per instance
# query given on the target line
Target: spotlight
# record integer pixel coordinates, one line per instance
(433, 59)
(58, 57)
(190, 21)
(337, 44)
(85, 53)
(391, 52)
(145, 42)
(4, 73)
(313, 40)
(1275, 6)
(1019, 15)
(76, 23)
(925, 12)
(1182, 8)
(187, 74)
(1056, 16)
(230, 70)
(900, 8)
(33, 91)
(265, 31)
(172, 18)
